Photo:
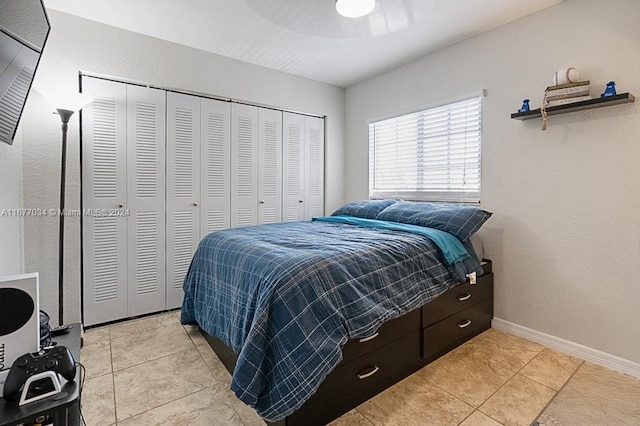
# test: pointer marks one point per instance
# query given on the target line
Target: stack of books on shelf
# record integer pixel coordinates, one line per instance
(567, 93)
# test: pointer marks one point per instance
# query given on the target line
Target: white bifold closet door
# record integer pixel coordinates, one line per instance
(269, 166)
(123, 172)
(256, 165)
(313, 167)
(183, 189)
(303, 180)
(215, 152)
(293, 179)
(104, 186)
(198, 193)
(244, 165)
(146, 156)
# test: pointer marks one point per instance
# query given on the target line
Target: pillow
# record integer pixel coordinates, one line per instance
(366, 209)
(459, 220)
(472, 263)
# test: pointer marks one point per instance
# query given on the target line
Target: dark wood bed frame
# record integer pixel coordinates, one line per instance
(400, 347)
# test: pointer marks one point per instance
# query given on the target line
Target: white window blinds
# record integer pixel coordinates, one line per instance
(430, 155)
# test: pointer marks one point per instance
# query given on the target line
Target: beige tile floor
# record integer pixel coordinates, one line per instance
(154, 371)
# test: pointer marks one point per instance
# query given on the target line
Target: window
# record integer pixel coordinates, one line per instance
(429, 155)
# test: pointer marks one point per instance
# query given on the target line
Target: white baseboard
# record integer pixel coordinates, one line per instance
(594, 356)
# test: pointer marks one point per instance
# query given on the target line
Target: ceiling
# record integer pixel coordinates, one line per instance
(307, 37)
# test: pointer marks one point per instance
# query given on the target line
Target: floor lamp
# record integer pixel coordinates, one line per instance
(65, 110)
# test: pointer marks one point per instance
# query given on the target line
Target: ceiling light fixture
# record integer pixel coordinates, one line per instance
(355, 8)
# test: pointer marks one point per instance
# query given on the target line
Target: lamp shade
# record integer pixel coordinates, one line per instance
(73, 101)
(355, 8)
(69, 101)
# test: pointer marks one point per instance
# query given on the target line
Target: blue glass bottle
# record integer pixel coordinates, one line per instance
(525, 106)
(610, 90)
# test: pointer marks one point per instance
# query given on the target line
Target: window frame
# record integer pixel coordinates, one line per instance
(458, 195)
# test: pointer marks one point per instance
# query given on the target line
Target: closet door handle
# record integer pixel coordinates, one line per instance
(195, 203)
(120, 205)
(363, 376)
(261, 202)
(366, 339)
(464, 323)
(300, 201)
(463, 297)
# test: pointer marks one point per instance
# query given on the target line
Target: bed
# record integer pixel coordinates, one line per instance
(314, 317)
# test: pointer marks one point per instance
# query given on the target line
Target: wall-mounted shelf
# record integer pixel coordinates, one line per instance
(623, 98)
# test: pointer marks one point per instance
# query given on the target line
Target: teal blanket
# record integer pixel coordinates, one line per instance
(451, 247)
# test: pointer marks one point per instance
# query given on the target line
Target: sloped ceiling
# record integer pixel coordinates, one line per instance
(307, 37)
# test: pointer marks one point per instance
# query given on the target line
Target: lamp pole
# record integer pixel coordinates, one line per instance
(65, 115)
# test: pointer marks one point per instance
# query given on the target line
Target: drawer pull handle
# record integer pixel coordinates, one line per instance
(463, 297)
(464, 324)
(363, 376)
(366, 339)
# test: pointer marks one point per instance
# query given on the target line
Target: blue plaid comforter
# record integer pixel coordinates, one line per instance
(286, 297)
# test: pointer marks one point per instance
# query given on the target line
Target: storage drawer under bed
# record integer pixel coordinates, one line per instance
(452, 331)
(457, 299)
(387, 333)
(352, 383)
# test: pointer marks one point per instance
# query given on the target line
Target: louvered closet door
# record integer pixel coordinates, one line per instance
(314, 167)
(183, 190)
(269, 166)
(216, 166)
(104, 186)
(293, 168)
(146, 124)
(244, 165)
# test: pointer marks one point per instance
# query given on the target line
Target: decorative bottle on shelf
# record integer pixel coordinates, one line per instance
(610, 90)
(525, 106)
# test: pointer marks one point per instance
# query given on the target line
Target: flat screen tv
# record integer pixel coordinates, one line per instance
(24, 28)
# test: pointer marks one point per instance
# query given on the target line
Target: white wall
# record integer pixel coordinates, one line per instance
(565, 235)
(77, 44)
(11, 235)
